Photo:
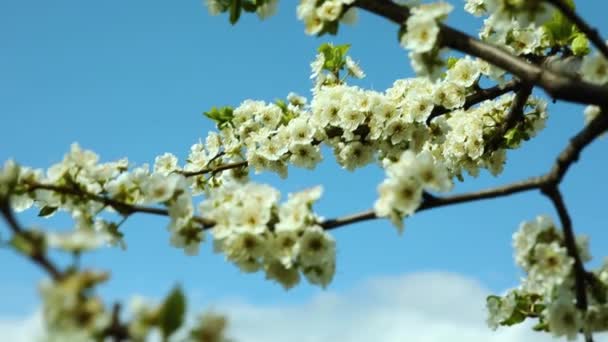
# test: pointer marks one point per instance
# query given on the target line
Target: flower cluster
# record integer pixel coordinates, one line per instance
(323, 16)
(505, 13)
(422, 26)
(69, 309)
(257, 233)
(85, 188)
(594, 69)
(401, 192)
(548, 291)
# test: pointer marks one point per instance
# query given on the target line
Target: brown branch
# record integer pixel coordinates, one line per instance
(37, 256)
(564, 161)
(116, 330)
(214, 170)
(121, 207)
(514, 116)
(556, 85)
(478, 96)
(590, 32)
(553, 193)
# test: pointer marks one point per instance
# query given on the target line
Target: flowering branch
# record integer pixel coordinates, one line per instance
(478, 96)
(590, 32)
(553, 193)
(556, 85)
(547, 181)
(121, 207)
(36, 255)
(214, 170)
(514, 116)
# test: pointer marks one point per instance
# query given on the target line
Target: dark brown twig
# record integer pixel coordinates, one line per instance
(37, 256)
(556, 85)
(478, 96)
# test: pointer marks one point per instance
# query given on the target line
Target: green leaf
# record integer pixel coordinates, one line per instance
(47, 211)
(516, 317)
(250, 6)
(541, 326)
(334, 56)
(580, 44)
(172, 312)
(235, 11)
(451, 62)
(222, 116)
(559, 28)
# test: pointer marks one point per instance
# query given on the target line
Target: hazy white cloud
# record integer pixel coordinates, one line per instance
(16, 329)
(422, 307)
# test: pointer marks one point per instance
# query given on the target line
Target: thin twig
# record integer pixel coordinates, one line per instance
(121, 207)
(514, 116)
(478, 96)
(37, 256)
(553, 193)
(214, 170)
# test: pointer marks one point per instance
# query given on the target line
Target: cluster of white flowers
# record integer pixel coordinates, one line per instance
(422, 26)
(470, 130)
(70, 310)
(257, 233)
(548, 290)
(503, 14)
(318, 16)
(594, 68)
(401, 192)
(85, 188)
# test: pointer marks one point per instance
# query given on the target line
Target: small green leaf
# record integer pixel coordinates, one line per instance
(221, 116)
(47, 211)
(541, 326)
(451, 62)
(235, 11)
(516, 317)
(580, 44)
(172, 312)
(250, 6)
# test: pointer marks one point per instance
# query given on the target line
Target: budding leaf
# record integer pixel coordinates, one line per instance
(580, 44)
(172, 312)
(235, 11)
(47, 211)
(222, 116)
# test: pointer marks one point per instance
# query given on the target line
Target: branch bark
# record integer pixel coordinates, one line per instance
(556, 85)
(38, 257)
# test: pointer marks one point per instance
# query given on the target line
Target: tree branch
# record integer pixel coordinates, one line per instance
(214, 170)
(121, 207)
(37, 256)
(556, 85)
(514, 116)
(590, 32)
(478, 96)
(565, 159)
(553, 193)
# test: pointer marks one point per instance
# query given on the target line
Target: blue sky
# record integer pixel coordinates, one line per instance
(131, 78)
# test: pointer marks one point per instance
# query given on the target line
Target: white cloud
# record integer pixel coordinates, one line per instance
(422, 307)
(21, 329)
